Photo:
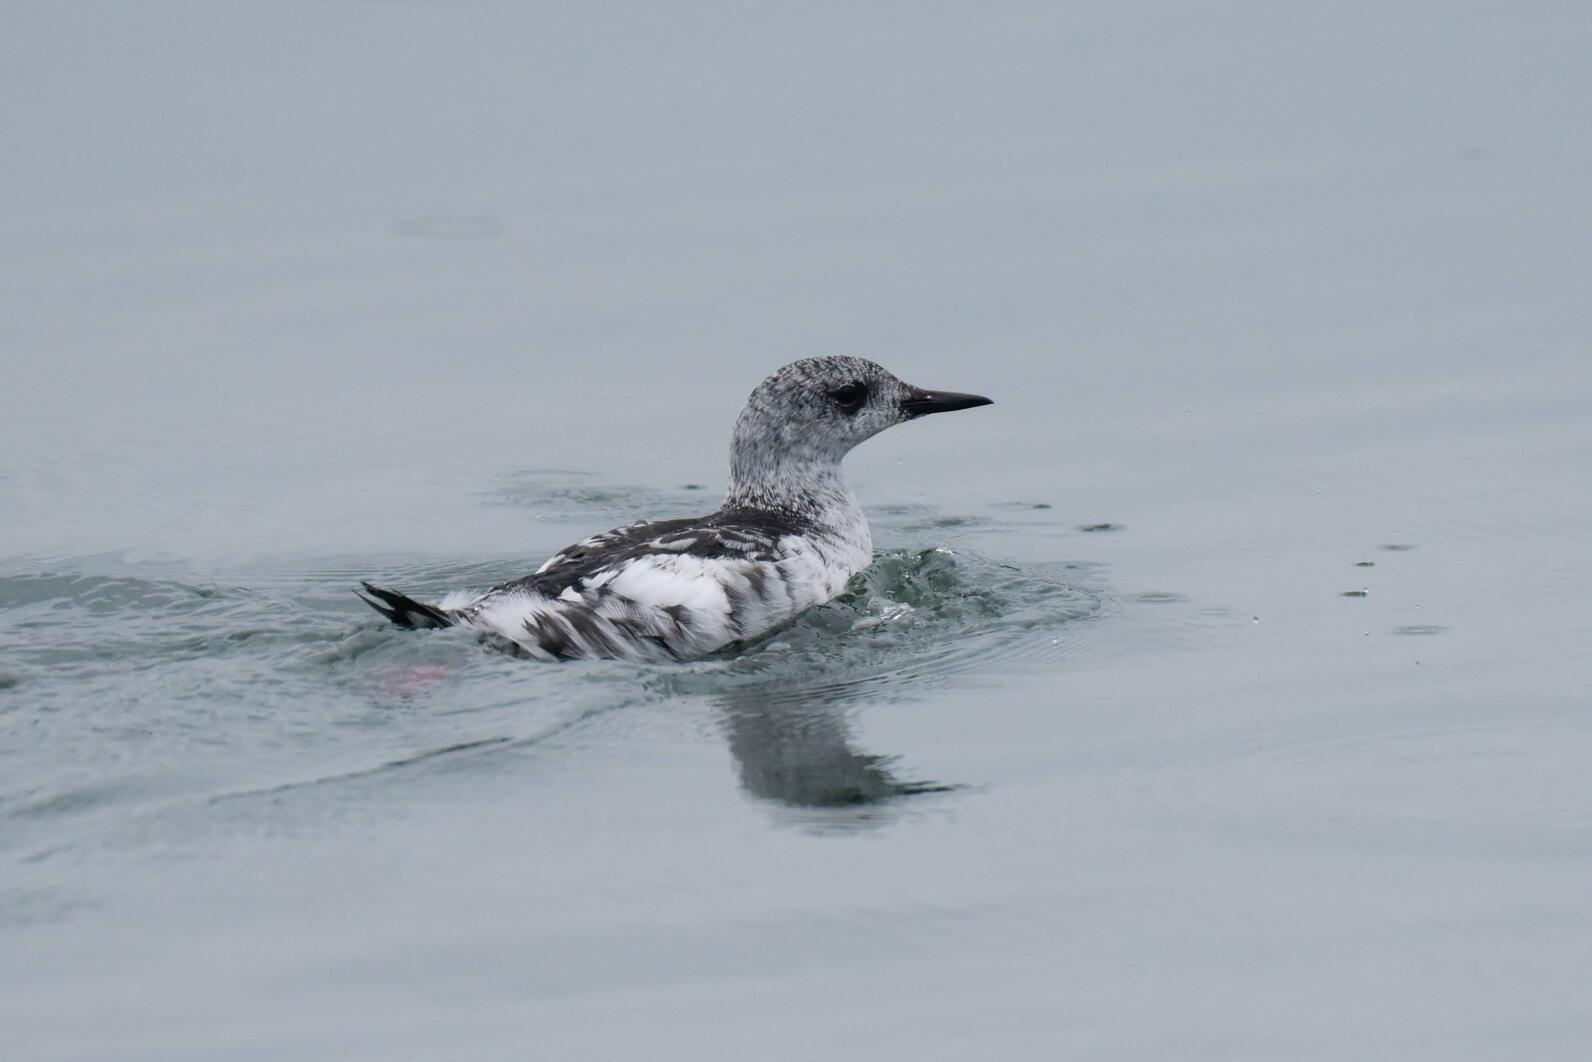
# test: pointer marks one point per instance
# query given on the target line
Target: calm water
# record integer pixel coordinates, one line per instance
(1221, 692)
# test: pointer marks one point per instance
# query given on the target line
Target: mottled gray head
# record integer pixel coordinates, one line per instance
(802, 420)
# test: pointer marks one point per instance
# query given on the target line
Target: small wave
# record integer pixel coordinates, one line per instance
(912, 618)
(99, 593)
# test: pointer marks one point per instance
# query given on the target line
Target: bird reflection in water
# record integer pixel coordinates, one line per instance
(795, 747)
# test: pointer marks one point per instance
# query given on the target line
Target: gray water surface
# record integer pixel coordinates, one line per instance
(1221, 692)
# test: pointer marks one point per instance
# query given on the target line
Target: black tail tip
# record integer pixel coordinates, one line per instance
(402, 610)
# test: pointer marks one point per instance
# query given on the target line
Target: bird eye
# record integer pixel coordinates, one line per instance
(850, 397)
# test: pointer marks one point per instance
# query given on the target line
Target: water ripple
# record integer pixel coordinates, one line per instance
(912, 619)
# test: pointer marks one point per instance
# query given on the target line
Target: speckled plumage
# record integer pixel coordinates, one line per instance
(789, 535)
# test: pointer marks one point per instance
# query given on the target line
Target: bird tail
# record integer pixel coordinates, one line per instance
(404, 611)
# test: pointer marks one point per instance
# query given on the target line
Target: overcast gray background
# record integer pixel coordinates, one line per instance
(290, 287)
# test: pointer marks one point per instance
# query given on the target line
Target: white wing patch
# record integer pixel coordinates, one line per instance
(667, 580)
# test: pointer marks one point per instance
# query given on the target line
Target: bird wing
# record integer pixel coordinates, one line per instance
(667, 588)
(596, 558)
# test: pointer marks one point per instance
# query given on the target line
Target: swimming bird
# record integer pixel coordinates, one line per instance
(789, 536)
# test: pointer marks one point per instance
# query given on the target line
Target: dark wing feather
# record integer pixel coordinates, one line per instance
(404, 611)
(742, 534)
(574, 563)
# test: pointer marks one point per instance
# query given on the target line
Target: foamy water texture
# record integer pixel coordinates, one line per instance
(1218, 693)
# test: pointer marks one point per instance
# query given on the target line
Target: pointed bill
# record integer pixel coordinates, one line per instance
(919, 402)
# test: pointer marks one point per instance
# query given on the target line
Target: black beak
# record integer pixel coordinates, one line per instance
(918, 402)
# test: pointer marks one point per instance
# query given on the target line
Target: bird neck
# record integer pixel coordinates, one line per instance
(807, 490)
